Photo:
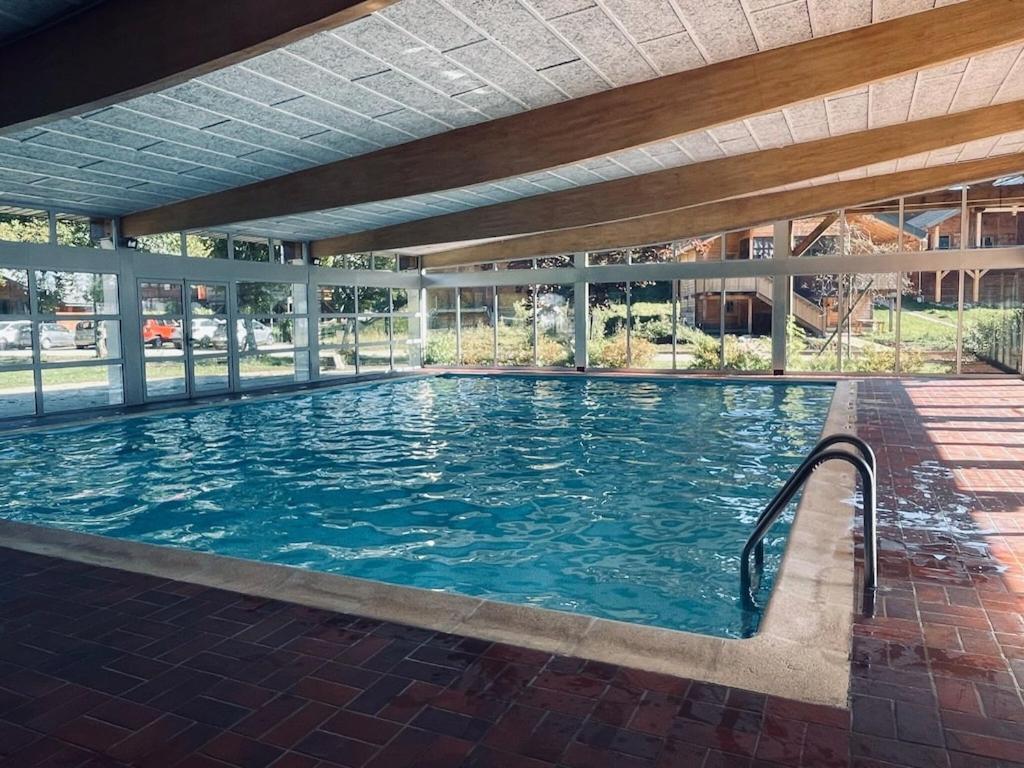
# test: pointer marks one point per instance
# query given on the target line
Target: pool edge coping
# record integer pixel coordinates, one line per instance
(801, 651)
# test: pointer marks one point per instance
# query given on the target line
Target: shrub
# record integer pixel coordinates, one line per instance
(553, 352)
(515, 345)
(988, 331)
(613, 352)
(478, 345)
(747, 354)
(440, 349)
(656, 329)
(704, 348)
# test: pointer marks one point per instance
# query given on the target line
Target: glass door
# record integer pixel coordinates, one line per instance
(162, 308)
(208, 342)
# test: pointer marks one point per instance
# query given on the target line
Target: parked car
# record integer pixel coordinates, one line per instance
(85, 334)
(51, 336)
(204, 329)
(159, 332)
(262, 335)
(10, 333)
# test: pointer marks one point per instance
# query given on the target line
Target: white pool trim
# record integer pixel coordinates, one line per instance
(800, 652)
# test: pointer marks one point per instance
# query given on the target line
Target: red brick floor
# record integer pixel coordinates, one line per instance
(106, 668)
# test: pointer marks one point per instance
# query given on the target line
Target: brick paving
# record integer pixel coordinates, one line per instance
(104, 668)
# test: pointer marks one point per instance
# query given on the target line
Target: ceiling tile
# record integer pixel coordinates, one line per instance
(720, 28)
(508, 22)
(646, 20)
(431, 22)
(674, 53)
(490, 62)
(409, 54)
(604, 45)
(831, 16)
(847, 113)
(782, 25)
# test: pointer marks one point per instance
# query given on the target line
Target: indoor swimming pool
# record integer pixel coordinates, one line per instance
(616, 497)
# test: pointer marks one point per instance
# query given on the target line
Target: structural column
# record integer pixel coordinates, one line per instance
(781, 293)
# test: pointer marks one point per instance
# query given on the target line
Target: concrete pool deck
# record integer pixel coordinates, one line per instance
(801, 651)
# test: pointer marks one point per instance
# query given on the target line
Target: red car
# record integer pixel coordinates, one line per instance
(158, 333)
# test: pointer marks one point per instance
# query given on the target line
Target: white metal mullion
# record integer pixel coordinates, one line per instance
(533, 303)
(458, 325)
(37, 372)
(355, 330)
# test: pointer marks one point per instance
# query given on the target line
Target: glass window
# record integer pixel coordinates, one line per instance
(68, 340)
(268, 334)
(608, 337)
(332, 261)
(76, 293)
(84, 232)
(359, 261)
(515, 325)
(24, 225)
(16, 343)
(874, 229)
(337, 299)
(208, 299)
(161, 298)
(168, 243)
(17, 393)
(556, 262)
(993, 210)
(476, 326)
(374, 348)
(442, 342)
(267, 370)
(652, 254)
(651, 321)
(399, 300)
(14, 299)
(698, 321)
(287, 251)
(408, 263)
(271, 298)
(993, 317)
(815, 317)
(206, 245)
(374, 300)
(251, 248)
(387, 262)
(81, 387)
(402, 357)
(928, 327)
(748, 324)
(868, 309)
(211, 374)
(165, 378)
(556, 326)
(603, 258)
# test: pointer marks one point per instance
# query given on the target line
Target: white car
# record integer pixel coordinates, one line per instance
(204, 329)
(11, 333)
(261, 334)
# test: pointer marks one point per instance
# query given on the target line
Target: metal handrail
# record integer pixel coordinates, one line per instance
(787, 490)
(775, 508)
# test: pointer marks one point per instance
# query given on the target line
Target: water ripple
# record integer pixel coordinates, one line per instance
(626, 499)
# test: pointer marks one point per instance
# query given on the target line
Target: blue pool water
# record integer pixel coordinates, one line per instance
(621, 498)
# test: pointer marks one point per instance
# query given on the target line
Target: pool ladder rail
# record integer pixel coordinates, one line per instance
(823, 452)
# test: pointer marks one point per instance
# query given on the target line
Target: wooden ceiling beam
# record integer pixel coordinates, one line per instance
(612, 120)
(728, 215)
(120, 49)
(686, 185)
